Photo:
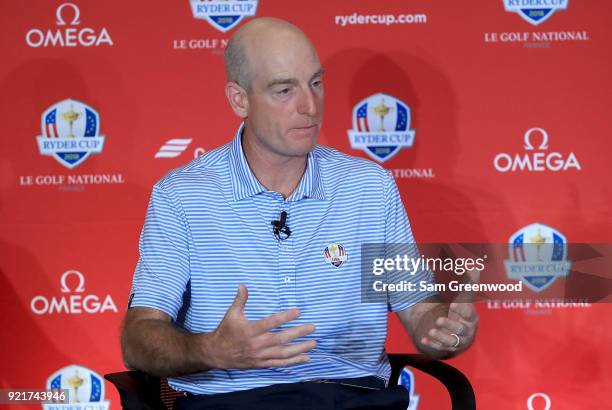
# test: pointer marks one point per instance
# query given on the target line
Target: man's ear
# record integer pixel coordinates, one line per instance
(238, 99)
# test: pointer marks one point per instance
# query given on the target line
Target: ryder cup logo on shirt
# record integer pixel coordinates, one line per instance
(85, 388)
(537, 255)
(70, 133)
(223, 15)
(381, 126)
(335, 254)
(406, 379)
(535, 11)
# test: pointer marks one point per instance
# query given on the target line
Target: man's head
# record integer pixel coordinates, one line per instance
(275, 84)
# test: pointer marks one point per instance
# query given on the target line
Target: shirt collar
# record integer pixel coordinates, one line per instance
(245, 184)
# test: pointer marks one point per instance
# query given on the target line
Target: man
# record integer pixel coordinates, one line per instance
(240, 311)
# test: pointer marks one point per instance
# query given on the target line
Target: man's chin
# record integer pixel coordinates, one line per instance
(301, 149)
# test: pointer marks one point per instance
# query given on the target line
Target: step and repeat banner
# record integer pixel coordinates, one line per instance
(493, 116)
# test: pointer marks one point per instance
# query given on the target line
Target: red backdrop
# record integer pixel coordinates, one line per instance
(475, 76)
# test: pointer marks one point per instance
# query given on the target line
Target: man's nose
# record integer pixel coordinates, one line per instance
(308, 103)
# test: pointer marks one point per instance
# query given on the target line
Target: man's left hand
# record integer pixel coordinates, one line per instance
(456, 331)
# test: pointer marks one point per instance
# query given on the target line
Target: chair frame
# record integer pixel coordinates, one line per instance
(139, 391)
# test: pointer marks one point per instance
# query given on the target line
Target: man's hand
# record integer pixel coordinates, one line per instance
(442, 331)
(455, 332)
(152, 343)
(239, 343)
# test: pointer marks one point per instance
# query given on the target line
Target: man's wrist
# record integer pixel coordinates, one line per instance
(428, 319)
(426, 323)
(202, 346)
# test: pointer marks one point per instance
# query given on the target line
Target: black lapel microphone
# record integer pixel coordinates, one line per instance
(279, 227)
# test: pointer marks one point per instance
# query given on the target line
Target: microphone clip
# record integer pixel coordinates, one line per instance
(280, 229)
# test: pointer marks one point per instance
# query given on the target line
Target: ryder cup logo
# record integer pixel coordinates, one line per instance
(85, 388)
(381, 126)
(223, 15)
(70, 133)
(537, 256)
(406, 379)
(535, 11)
(335, 254)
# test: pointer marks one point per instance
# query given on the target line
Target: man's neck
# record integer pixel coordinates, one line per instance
(276, 173)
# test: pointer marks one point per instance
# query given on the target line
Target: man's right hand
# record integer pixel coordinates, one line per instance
(239, 343)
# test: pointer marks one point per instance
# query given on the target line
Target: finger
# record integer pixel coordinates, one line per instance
(303, 358)
(434, 344)
(289, 351)
(239, 302)
(444, 338)
(273, 321)
(288, 335)
(464, 310)
(452, 326)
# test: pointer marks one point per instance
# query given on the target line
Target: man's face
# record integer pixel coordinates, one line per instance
(285, 100)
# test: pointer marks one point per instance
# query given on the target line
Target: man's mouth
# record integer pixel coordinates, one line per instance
(306, 127)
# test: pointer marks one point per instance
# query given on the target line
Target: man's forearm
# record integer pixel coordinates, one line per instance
(161, 349)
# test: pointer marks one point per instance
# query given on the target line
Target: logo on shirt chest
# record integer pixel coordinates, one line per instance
(335, 254)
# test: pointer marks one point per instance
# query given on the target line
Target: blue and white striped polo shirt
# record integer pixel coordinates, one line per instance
(208, 229)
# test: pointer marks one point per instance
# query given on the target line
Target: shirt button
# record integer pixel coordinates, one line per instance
(287, 279)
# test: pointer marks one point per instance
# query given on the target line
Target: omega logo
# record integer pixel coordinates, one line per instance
(68, 35)
(544, 396)
(75, 20)
(538, 160)
(75, 302)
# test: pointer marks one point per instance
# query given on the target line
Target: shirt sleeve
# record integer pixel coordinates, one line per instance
(162, 271)
(399, 240)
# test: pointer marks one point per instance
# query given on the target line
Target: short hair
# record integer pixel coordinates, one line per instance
(237, 67)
